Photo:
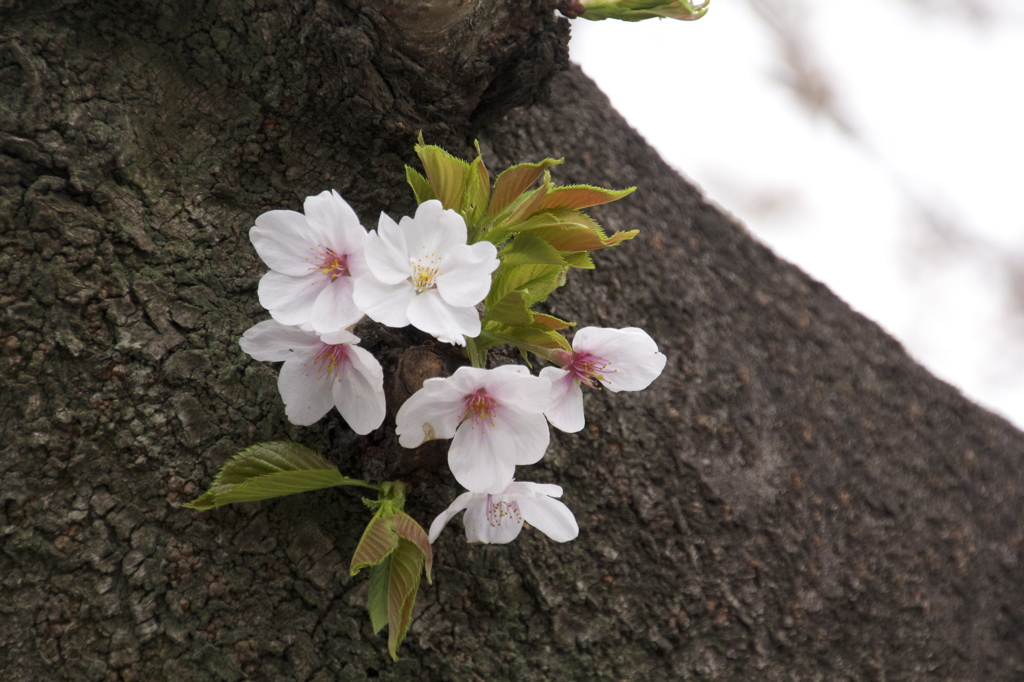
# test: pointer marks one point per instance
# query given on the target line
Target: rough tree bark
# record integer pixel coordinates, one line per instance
(794, 498)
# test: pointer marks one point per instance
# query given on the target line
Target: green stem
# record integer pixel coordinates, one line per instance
(477, 355)
(363, 484)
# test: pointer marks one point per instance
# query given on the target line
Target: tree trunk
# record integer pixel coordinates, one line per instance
(794, 498)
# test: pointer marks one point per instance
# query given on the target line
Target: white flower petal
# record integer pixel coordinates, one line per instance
(526, 393)
(433, 229)
(505, 372)
(444, 517)
(451, 228)
(306, 394)
(633, 356)
(358, 391)
(525, 489)
(334, 308)
(429, 312)
(283, 241)
(338, 337)
(357, 260)
(333, 223)
(465, 277)
(519, 438)
(550, 517)
(467, 379)
(565, 411)
(385, 303)
(289, 299)
(479, 460)
(387, 254)
(271, 341)
(433, 411)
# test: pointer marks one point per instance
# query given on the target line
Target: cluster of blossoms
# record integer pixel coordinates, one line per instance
(327, 272)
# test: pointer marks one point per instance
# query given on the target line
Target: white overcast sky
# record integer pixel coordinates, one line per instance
(902, 193)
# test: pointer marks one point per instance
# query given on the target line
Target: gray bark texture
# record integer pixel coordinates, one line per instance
(794, 499)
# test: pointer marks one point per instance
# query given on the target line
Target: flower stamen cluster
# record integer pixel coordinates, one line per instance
(425, 271)
(500, 511)
(588, 369)
(479, 409)
(329, 361)
(331, 264)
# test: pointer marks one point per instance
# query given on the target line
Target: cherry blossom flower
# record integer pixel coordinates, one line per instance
(320, 372)
(422, 272)
(495, 417)
(314, 260)
(618, 359)
(498, 518)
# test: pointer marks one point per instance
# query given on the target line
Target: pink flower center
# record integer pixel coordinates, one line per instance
(479, 408)
(498, 512)
(331, 264)
(329, 361)
(588, 369)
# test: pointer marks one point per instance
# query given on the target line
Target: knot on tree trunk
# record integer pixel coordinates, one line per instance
(472, 59)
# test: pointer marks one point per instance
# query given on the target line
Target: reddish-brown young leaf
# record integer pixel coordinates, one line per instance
(403, 584)
(407, 528)
(379, 540)
(513, 181)
(581, 196)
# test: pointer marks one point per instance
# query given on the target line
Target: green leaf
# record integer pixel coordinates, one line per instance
(403, 584)
(407, 528)
(485, 177)
(631, 10)
(271, 470)
(581, 196)
(420, 185)
(574, 238)
(527, 249)
(539, 288)
(542, 337)
(568, 230)
(535, 339)
(377, 597)
(447, 174)
(513, 309)
(394, 584)
(477, 194)
(533, 279)
(571, 238)
(550, 322)
(580, 259)
(530, 204)
(498, 235)
(513, 181)
(379, 540)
